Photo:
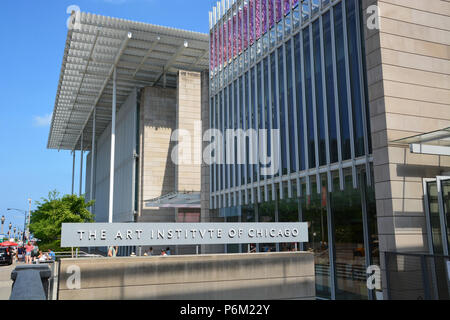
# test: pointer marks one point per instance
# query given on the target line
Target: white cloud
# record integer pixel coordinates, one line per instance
(116, 1)
(42, 121)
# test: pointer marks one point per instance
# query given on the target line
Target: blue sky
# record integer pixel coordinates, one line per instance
(33, 35)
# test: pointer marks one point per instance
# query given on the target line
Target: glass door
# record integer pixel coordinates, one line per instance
(445, 217)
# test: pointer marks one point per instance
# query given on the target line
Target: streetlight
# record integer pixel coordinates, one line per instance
(3, 222)
(22, 211)
(14, 232)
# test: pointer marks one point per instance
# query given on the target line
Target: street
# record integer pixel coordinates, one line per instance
(5, 281)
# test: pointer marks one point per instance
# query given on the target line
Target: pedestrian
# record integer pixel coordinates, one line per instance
(51, 255)
(168, 251)
(35, 252)
(112, 253)
(28, 248)
(163, 253)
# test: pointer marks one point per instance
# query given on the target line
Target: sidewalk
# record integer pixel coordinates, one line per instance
(5, 281)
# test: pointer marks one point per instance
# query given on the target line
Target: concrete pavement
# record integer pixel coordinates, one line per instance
(5, 281)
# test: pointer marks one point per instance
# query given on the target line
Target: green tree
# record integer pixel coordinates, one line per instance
(51, 213)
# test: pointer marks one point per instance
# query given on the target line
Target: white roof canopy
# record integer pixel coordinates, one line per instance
(143, 55)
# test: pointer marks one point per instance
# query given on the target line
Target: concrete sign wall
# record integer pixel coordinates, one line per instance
(155, 234)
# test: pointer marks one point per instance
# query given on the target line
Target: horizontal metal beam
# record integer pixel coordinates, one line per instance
(429, 149)
(105, 83)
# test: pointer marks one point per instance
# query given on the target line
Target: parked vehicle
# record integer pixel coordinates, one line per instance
(5, 256)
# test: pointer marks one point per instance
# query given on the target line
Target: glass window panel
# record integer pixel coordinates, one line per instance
(305, 10)
(296, 13)
(290, 107)
(235, 126)
(282, 105)
(266, 213)
(233, 215)
(433, 206)
(351, 280)
(248, 215)
(309, 97)
(267, 110)
(299, 96)
(314, 212)
(260, 109)
(355, 78)
(213, 153)
(446, 199)
(242, 125)
(288, 211)
(225, 127)
(252, 119)
(372, 223)
(248, 125)
(315, 5)
(256, 85)
(220, 124)
(320, 112)
(329, 81)
(273, 103)
(342, 83)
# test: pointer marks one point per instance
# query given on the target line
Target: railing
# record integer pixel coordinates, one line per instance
(417, 276)
(76, 254)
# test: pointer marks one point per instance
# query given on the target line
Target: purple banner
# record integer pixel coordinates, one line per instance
(287, 7)
(271, 15)
(252, 21)
(258, 19)
(219, 46)
(246, 27)
(224, 43)
(240, 29)
(230, 40)
(264, 16)
(235, 36)
(211, 51)
(216, 36)
(279, 10)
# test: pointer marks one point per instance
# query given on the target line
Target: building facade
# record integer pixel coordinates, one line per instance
(126, 88)
(341, 81)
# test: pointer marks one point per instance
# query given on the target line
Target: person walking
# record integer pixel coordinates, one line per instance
(28, 248)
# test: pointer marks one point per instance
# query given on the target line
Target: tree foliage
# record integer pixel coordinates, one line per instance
(51, 213)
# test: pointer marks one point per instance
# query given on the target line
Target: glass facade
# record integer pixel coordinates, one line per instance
(299, 74)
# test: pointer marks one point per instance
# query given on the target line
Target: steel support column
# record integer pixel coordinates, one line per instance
(113, 146)
(73, 173)
(81, 166)
(91, 196)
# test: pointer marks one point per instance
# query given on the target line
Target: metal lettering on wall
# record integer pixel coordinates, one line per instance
(154, 234)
